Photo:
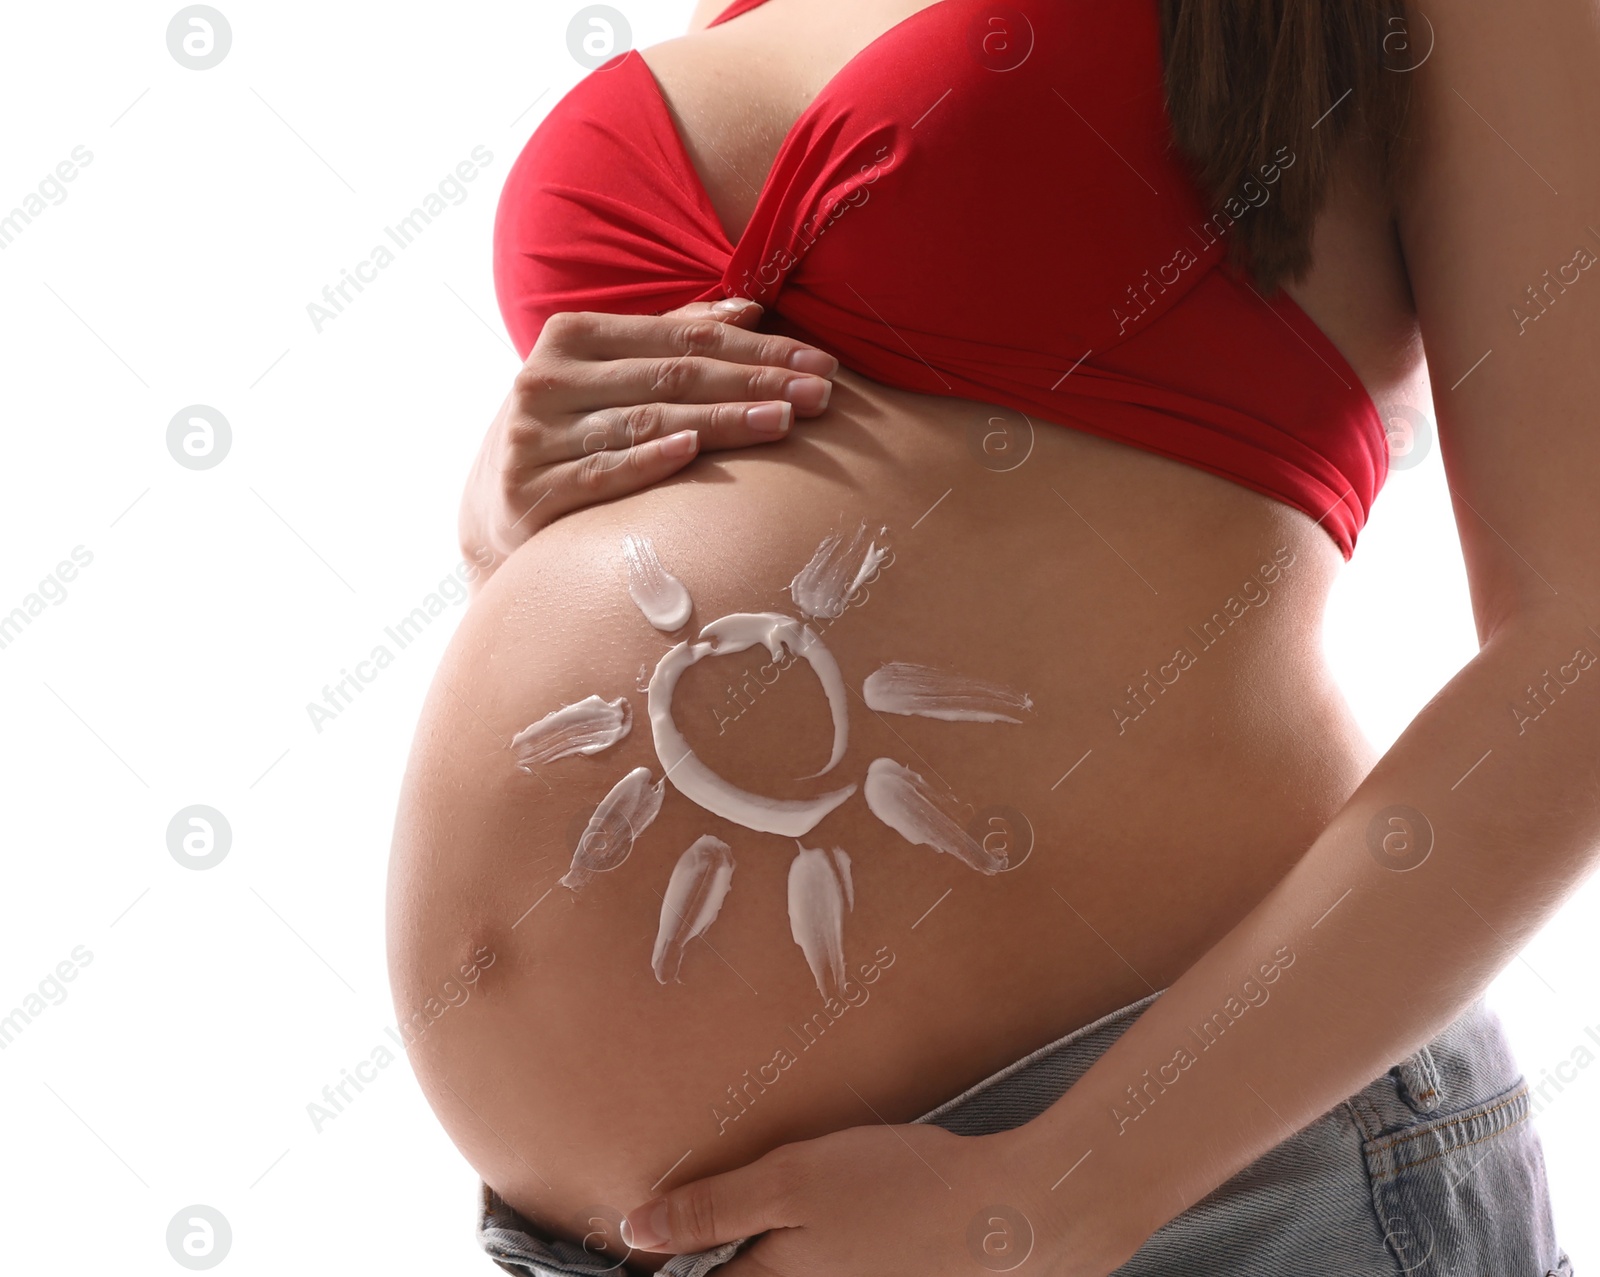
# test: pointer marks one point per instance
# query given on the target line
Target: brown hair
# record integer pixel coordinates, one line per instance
(1248, 79)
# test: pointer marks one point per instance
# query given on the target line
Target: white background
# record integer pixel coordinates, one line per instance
(177, 668)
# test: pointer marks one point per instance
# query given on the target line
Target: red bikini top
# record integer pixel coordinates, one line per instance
(985, 203)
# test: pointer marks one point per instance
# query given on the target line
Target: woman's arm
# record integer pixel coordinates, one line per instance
(1376, 953)
(1461, 843)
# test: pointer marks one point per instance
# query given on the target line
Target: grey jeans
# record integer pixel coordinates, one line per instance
(1433, 1169)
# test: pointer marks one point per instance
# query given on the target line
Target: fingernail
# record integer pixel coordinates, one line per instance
(680, 444)
(815, 361)
(808, 394)
(731, 305)
(769, 418)
(649, 1232)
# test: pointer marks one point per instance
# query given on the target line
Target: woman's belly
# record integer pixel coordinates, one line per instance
(1184, 746)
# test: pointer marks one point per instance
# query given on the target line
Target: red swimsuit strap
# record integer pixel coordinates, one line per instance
(735, 9)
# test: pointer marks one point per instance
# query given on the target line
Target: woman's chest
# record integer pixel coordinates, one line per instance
(736, 92)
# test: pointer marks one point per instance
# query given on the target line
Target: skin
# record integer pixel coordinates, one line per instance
(1181, 853)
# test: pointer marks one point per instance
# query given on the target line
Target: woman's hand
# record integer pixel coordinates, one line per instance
(609, 404)
(876, 1200)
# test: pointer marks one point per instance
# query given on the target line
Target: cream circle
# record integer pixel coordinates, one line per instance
(684, 768)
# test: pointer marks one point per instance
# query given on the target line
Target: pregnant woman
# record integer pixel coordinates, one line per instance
(932, 842)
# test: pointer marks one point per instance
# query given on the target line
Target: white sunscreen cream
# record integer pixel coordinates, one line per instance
(824, 587)
(902, 688)
(622, 816)
(906, 803)
(584, 727)
(662, 598)
(695, 892)
(690, 775)
(820, 891)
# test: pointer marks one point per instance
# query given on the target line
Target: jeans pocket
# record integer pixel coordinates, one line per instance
(1465, 1192)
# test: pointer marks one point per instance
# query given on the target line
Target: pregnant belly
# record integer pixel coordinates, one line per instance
(1179, 747)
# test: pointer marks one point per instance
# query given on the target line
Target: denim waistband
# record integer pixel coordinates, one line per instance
(1025, 1088)
(1354, 1185)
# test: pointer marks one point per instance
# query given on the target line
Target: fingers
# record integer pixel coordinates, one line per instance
(689, 379)
(721, 425)
(608, 404)
(621, 450)
(605, 474)
(739, 311)
(696, 331)
(717, 1209)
